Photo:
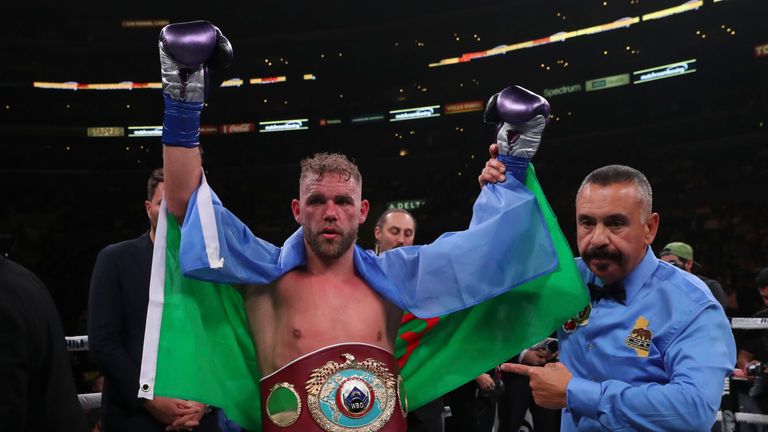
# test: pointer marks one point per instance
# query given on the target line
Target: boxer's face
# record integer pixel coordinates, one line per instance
(397, 231)
(613, 229)
(330, 210)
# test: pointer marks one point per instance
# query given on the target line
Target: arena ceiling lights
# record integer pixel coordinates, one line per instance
(234, 82)
(71, 85)
(268, 80)
(563, 36)
(130, 85)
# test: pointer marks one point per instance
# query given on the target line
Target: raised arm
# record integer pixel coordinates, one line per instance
(182, 172)
(187, 53)
(508, 241)
(211, 235)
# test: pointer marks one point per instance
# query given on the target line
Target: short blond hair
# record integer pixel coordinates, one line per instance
(322, 163)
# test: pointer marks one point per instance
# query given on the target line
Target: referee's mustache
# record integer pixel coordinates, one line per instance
(602, 253)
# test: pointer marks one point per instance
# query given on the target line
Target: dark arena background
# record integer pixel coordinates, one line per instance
(677, 90)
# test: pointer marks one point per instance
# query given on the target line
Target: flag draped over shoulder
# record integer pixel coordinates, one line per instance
(197, 345)
(439, 354)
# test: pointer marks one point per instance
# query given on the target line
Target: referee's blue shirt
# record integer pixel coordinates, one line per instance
(656, 363)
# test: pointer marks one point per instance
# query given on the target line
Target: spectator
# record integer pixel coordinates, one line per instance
(752, 361)
(38, 392)
(680, 255)
(755, 346)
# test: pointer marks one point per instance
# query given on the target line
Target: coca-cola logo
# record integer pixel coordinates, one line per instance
(237, 128)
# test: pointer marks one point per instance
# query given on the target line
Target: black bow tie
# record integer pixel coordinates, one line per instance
(614, 291)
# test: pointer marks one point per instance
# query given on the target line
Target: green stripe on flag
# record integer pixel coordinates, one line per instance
(206, 353)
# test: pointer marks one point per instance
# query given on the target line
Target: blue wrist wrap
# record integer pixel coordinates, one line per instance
(181, 123)
(516, 166)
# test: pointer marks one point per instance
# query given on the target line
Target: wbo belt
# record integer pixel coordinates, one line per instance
(341, 388)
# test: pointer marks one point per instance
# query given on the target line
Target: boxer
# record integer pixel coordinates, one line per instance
(323, 313)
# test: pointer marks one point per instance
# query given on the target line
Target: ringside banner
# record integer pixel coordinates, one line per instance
(562, 90)
(414, 113)
(607, 82)
(761, 50)
(237, 128)
(666, 71)
(145, 131)
(106, 131)
(284, 125)
(463, 107)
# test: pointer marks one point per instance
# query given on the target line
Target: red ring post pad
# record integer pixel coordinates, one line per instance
(181, 123)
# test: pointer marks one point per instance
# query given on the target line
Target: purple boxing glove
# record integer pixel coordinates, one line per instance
(188, 51)
(520, 116)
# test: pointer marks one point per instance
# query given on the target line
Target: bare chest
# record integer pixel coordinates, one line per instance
(305, 312)
(343, 305)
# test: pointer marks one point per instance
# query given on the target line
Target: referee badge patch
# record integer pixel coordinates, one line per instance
(639, 339)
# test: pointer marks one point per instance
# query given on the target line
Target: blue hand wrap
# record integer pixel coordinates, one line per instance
(181, 123)
(516, 166)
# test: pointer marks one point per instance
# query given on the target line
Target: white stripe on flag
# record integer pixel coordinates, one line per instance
(154, 308)
(208, 223)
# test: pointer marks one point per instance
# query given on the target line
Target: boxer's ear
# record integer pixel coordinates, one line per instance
(296, 209)
(364, 207)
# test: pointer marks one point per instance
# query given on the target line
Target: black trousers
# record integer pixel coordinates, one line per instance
(517, 399)
(470, 413)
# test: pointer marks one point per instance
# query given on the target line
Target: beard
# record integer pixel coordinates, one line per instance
(326, 249)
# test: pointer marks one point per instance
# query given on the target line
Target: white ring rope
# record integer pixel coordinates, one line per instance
(89, 400)
(746, 418)
(749, 323)
(77, 343)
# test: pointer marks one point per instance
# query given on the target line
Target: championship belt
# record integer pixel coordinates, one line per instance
(341, 388)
